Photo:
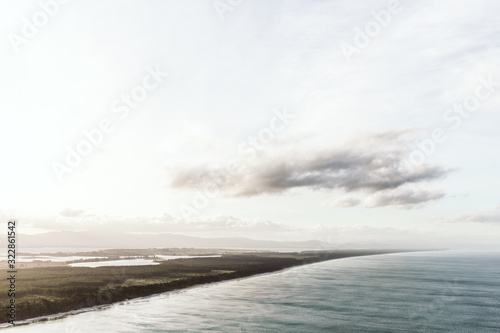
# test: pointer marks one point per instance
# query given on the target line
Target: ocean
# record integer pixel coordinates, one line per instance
(410, 292)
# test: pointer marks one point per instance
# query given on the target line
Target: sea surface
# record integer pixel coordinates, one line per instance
(412, 292)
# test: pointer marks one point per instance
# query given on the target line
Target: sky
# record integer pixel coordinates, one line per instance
(352, 123)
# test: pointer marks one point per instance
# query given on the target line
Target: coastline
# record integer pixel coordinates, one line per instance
(143, 298)
(319, 256)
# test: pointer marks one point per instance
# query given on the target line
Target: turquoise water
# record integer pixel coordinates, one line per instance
(417, 292)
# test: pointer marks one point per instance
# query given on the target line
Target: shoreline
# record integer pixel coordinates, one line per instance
(103, 307)
(217, 280)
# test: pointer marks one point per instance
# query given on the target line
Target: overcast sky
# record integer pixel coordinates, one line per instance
(372, 121)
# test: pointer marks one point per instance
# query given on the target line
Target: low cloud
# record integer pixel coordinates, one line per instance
(345, 202)
(406, 198)
(215, 226)
(71, 212)
(487, 217)
(224, 226)
(371, 163)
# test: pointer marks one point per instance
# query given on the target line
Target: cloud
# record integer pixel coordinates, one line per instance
(213, 226)
(487, 217)
(370, 163)
(71, 212)
(345, 202)
(404, 198)
(225, 226)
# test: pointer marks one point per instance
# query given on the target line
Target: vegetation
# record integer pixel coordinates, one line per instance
(49, 290)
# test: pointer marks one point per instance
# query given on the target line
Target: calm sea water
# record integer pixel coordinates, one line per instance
(418, 292)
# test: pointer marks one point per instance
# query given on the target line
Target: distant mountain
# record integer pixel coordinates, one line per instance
(88, 239)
